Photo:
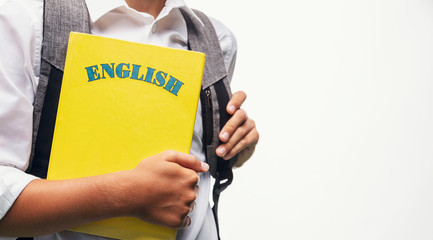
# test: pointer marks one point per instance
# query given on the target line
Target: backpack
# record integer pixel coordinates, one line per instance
(72, 15)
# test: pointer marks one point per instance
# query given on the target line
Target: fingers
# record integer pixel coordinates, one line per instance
(187, 220)
(186, 160)
(236, 101)
(190, 162)
(232, 125)
(239, 132)
(244, 136)
(166, 195)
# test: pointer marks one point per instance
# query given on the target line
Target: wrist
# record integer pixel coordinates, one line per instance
(114, 191)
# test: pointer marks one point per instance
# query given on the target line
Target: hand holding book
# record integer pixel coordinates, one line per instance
(167, 187)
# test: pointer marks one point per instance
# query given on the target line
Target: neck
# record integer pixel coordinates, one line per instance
(152, 7)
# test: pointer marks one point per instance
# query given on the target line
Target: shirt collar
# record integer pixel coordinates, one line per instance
(98, 9)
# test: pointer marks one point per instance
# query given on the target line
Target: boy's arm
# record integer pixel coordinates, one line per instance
(160, 190)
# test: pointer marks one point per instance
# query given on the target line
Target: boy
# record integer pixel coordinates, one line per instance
(162, 189)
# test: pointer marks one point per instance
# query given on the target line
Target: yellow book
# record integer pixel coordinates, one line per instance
(121, 102)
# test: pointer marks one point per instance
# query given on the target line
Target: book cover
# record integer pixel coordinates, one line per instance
(121, 102)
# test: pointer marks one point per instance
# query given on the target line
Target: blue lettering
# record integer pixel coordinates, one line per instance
(92, 73)
(123, 70)
(135, 71)
(120, 72)
(173, 85)
(107, 69)
(149, 75)
(160, 78)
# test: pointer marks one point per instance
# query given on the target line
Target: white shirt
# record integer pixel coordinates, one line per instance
(20, 50)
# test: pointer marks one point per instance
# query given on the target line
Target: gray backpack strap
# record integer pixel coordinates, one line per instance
(214, 98)
(60, 18)
(202, 38)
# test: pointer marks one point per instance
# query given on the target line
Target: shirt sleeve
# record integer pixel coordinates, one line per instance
(228, 45)
(21, 35)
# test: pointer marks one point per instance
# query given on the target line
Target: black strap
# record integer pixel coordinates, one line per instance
(224, 174)
(44, 137)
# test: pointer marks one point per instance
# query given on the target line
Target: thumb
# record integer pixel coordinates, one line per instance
(186, 160)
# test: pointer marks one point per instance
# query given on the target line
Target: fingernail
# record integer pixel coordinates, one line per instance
(225, 136)
(221, 151)
(186, 222)
(204, 166)
(232, 108)
(192, 208)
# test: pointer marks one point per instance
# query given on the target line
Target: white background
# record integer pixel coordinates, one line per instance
(341, 91)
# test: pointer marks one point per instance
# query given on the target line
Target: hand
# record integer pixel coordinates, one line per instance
(165, 188)
(239, 135)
